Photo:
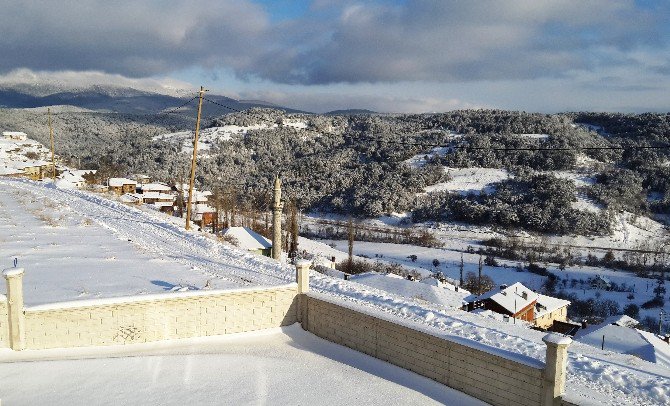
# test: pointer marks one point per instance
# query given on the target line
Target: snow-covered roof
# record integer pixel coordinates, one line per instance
(71, 177)
(248, 239)
(155, 187)
(602, 278)
(131, 198)
(626, 340)
(203, 208)
(163, 204)
(117, 182)
(547, 304)
(513, 298)
(439, 284)
(158, 195)
(400, 286)
(18, 134)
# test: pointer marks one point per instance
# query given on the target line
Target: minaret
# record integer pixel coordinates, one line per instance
(277, 207)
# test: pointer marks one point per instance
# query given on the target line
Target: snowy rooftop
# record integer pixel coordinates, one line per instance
(118, 182)
(513, 298)
(547, 304)
(248, 239)
(626, 340)
(155, 187)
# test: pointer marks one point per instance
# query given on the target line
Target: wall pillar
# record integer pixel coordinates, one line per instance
(555, 368)
(16, 318)
(302, 278)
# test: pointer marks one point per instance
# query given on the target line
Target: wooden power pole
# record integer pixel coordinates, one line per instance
(195, 154)
(51, 135)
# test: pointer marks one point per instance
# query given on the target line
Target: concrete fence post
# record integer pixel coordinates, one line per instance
(554, 370)
(16, 318)
(302, 277)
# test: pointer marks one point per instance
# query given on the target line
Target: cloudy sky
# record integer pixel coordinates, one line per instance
(390, 56)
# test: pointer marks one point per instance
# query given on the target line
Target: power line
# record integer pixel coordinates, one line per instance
(174, 110)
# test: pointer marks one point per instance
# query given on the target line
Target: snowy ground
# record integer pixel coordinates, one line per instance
(209, 136)
(470, 180)
(76, 245)
(271, 367)
(594, 376)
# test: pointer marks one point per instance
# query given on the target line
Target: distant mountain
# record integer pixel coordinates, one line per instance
(118, 100)
(350, 112)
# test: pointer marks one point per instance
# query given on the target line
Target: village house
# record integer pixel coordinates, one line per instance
(515, 301)
(15, 135)
(141, 179)
(121, 185)
(160, 196)
(249, 240)
(35, 170)
(549, 310)
(203, 215)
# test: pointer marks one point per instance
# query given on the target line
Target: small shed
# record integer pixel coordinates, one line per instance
(601, 282)
(250, 240)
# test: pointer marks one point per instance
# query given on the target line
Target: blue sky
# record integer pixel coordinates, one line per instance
(390, 56)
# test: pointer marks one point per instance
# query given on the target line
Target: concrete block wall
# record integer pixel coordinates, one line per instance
(175, 316)
(4, 324)
(484, 375)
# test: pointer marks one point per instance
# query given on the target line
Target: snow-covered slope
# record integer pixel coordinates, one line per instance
(470, 180)
(594, 376)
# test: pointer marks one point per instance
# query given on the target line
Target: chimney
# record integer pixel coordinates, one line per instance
(503, 287)
(584, 324)
(667, 339)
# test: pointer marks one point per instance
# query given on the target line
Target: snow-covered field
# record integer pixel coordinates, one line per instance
(76, 245)
(470, 180)
(594, 376)
(207, 136)
(210, 136)
(264, 368)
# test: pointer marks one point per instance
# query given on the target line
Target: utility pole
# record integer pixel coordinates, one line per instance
(51, 135)
(479, 280)
(460, 283)
(351, 232)
(195, 154)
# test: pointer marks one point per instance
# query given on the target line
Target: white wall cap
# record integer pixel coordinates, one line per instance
(12, 272)
(557, 339)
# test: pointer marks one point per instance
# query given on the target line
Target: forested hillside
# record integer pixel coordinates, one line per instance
(366, 165)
